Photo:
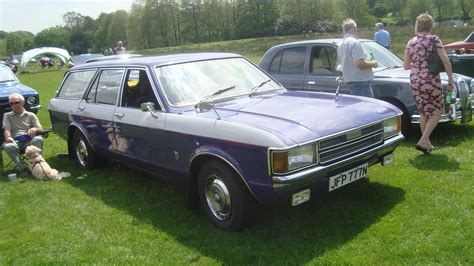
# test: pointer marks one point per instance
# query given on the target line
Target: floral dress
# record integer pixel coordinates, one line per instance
(426, 87)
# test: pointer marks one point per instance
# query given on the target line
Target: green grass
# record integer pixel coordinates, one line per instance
(418, 211)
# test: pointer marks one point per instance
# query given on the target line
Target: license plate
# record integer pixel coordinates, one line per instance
(347, 177)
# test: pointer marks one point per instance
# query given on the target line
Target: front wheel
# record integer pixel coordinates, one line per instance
(223, 197)
(82, 152)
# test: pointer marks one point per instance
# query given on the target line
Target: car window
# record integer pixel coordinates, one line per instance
(137, 89)
(384, 57)
(323, 60)
(75, 84)
(106, 87)
(188, 83)
(6, 75)
(289, 61)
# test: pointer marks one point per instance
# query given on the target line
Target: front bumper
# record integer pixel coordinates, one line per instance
(297, 181)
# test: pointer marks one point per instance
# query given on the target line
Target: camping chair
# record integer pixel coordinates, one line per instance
(45, 135)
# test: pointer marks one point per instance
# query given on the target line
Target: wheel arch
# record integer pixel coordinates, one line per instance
(70, 133)
(195, 164)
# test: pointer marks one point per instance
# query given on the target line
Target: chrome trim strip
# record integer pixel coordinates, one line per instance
(415, 119)
(283, 182)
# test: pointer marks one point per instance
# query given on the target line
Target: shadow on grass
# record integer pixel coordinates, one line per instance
(435, 162)
(278, 235)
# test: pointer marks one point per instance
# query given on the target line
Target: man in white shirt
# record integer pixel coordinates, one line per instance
(356, 69)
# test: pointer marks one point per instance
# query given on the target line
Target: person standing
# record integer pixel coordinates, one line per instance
(381, 36)
(20, 130)
(120, 49)
(356, 69)
(426, 87)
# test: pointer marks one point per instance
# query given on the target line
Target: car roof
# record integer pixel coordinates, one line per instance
(157, 60)
(336, 41)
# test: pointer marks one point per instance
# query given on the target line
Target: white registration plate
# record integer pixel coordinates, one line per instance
(347, 177)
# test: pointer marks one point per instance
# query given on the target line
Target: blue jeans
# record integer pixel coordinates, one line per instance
(362, 88)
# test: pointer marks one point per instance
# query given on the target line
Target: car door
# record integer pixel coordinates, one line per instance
(288, 67)
(96, 110)
(138, 135)
(322, 69)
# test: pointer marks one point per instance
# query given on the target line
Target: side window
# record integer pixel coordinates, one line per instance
(106, 87)
(75, 84)
(289, 61)
(137, 89)
(323, 60)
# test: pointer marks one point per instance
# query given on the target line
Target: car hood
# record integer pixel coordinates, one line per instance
(304, 116)
(8, 88)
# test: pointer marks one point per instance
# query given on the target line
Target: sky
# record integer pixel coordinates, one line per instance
(37, 15)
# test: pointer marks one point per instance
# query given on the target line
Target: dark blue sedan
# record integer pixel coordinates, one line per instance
(9, 84)
(223, 128)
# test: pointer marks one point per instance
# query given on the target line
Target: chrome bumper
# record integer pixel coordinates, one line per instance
(310, 176)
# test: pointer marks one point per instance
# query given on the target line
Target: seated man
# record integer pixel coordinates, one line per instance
(20, 129)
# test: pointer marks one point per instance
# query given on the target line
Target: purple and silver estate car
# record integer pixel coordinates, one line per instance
(217, 124)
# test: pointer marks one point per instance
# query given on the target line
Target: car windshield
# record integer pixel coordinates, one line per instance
(6, 75)
(188, 83)
(384, 57)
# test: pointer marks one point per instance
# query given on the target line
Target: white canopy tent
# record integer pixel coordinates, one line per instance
(30, 54)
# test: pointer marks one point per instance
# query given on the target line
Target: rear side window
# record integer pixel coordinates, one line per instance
(289, 61)
(106, 87)
(75, 84)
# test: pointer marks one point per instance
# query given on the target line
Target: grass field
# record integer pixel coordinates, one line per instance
(418, 211)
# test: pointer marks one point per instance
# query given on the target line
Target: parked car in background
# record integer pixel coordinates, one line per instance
(217, 124)
(9, 64)
(9, 84)
(312, 66)
(462, 64)
(467, 44)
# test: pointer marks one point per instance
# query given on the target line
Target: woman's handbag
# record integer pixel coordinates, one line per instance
(435, 65)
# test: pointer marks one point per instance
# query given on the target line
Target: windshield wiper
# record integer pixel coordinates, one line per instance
(204, 103)
(7, 80)
(255, 89)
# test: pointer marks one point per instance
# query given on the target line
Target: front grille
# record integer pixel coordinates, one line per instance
(350, 143)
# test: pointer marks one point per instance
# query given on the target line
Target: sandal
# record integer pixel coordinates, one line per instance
(423, 149)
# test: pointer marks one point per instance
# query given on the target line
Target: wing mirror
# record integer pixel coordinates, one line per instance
(149, 107)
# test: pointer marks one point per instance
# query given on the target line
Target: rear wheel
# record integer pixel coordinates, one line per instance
(82, 151)
(223, 197)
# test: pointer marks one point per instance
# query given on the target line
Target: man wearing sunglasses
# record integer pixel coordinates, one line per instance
(20, 130)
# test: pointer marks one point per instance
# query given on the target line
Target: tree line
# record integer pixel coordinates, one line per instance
(161, 23)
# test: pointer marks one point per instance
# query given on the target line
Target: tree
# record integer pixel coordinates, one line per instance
(82, 30)
(19, 41)
(57, 36)
(256, 18)
(117, 30)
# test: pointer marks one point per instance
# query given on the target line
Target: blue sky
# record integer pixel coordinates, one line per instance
(37, 15)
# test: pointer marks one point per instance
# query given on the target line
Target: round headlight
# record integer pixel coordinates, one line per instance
(31, 100)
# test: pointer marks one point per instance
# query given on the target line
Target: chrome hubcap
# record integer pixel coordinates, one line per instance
(218, 197)
(81, 152)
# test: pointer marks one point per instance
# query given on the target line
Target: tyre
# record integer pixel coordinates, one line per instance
(82, 151)
(406, 126)
(225, 200)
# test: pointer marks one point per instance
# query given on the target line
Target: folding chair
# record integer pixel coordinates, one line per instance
(45, 135)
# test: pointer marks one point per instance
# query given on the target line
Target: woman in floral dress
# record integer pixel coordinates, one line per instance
(426, 87)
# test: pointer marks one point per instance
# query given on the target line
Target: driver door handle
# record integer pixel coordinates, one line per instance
(81, 108)
(311, 82)
(119, 115)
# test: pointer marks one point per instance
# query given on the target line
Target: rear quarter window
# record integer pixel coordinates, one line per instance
(75, 84)
(289, 61)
